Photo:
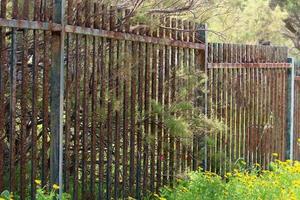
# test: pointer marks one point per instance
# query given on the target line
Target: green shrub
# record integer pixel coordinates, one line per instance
(41, 193)
(281, 182)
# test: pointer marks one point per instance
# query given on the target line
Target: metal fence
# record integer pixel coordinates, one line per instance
(248, 91)
(80, 83)
(95, 79)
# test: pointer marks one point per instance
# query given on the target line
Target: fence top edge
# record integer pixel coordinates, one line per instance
(250, 45)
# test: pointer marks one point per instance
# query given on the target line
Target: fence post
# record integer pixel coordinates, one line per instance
(57, 93)
(203, 37)
(290, 110)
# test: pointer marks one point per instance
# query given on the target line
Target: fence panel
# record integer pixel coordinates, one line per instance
(247, 91)
(121, 80)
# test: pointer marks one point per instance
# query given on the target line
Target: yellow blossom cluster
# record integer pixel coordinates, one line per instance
(281, 180)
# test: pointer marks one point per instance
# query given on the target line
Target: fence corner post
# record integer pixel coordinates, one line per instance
(57, 97)
(290, 111)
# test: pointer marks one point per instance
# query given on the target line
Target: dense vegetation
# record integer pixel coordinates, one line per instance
(282, 181)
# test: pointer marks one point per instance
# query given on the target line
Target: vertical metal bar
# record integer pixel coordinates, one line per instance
(12, 115)
(46, 53)
(117, 112)
(178, 145)
(133, 118)
(68, 97)
(153, 116)
(85, 99)
(110, 115)
(24, 118)
(103, 80)
(173, 99)
(34, 114)
(24, 106)
(141, 63)
(57, 97)
(166, 99)
(12, 104)
(94, 108)
(147, 115)
(208, 102)
(276, 112)
(35, 92)
(127, 63)
(3, 62)
(77, 118)
(290, 110)
(284, 91)
(160, 115)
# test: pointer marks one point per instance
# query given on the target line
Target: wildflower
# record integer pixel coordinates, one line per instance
(275, 154)
(296, 183)
(38, 182)
(11, 196)
(55, 187)
(184, 189)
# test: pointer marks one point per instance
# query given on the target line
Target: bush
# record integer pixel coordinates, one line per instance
(41, 193)
(282, 181)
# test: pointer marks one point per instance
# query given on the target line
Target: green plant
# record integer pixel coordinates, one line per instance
(41, 193)
(282, 181)
(6, 195)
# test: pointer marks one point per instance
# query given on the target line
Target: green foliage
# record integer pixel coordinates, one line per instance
(183, 117)
(5, 195)
(248, 21)
(282, 181)
(41, 194)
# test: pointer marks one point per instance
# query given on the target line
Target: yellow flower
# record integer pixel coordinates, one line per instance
(38, 182)
(296, 183)
(55, 187)
(298, 140)
(228, 174)
(184, 189)
(257, 164)
(275, 154)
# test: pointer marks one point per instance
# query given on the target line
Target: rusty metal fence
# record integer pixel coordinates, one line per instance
(80, 83)
(248, 91)
(95, 79)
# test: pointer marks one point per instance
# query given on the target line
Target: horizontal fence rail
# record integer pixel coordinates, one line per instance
(247, 91)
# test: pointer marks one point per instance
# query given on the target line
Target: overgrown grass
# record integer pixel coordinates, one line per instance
(281, 182)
